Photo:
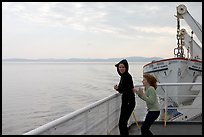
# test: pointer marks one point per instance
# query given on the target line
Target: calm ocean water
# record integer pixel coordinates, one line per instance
(34, 94)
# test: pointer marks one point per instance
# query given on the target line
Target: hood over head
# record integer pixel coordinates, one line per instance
(125, 63)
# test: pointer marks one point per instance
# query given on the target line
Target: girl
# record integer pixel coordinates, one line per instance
(125, 87)
(152, 103)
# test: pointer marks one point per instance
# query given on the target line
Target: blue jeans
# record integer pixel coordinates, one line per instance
(149, 120)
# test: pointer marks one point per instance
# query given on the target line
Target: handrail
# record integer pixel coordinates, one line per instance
(68, 116)
(72, 115)
(172, 84)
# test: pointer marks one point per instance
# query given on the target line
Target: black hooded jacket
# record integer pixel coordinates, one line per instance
(126, 84)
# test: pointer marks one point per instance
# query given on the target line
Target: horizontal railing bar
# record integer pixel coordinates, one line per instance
(182, 96)
(82, 110)
(172, 84)
(68, 116)
(184, 108)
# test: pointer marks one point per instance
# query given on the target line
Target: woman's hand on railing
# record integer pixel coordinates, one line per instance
(116, 87)
(138, 91)
(135, 90)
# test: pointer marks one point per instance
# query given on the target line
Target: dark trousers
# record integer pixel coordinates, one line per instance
(128, 105)
(149, 120)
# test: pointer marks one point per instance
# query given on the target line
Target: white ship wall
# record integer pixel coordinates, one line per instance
(178, 72)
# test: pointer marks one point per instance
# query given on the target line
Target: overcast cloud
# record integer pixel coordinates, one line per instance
(91, 29)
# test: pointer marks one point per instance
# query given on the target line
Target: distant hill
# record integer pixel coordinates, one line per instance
(130, 59)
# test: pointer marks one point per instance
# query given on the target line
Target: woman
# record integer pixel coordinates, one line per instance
(125, 87)
(152, 103)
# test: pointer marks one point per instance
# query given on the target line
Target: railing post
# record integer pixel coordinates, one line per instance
(86, 122)
(165, 106)
(107, 118)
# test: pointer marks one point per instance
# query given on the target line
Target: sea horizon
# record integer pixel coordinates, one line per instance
(130, 59)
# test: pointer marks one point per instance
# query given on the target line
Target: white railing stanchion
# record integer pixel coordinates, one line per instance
(165, 106)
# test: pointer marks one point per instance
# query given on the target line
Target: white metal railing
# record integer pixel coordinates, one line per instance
(165, 85)
(97, 118)
(100, 117)
(181, 107)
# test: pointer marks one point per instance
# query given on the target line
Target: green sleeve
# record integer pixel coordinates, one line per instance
(150, 96)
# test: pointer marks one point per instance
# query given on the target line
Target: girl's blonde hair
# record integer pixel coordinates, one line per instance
(151, 80)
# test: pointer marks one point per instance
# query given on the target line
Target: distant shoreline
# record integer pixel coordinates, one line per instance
(130, 59)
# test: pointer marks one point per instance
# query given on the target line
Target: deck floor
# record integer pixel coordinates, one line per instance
(172, 128)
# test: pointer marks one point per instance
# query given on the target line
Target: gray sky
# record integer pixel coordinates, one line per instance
(91, 29)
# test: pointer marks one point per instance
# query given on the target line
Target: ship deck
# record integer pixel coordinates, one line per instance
(172, 128)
